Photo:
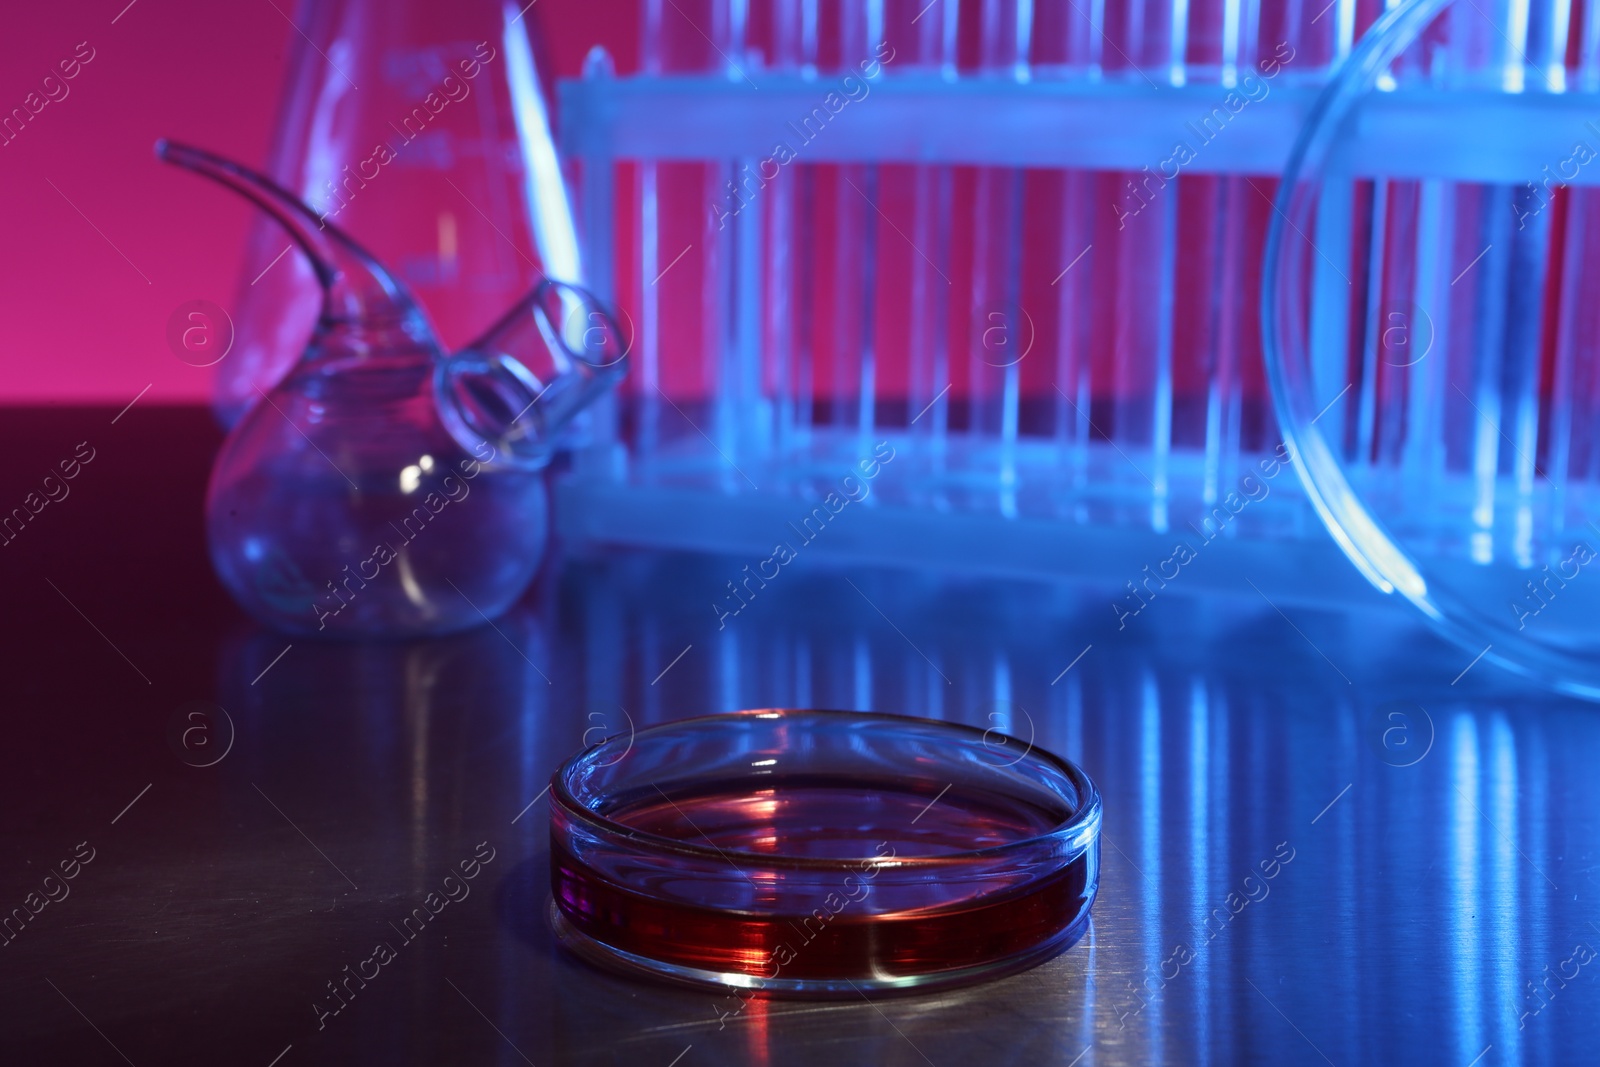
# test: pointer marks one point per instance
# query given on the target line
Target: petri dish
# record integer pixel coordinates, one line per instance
(1431, 303)
(821, 853)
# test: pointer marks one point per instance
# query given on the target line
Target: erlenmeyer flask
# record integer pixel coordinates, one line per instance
(421, 129)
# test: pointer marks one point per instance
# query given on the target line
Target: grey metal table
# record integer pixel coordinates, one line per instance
(1328, 838)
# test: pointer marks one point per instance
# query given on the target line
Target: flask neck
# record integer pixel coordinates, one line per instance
(404, 335)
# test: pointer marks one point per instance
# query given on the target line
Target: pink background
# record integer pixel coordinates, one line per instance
(85, 312)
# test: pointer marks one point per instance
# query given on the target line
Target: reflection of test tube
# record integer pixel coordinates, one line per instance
(999, 324)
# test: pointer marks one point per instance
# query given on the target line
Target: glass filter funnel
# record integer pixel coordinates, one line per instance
(385, 487)
(1430, 316)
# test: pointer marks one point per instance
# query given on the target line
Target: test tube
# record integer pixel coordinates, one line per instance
(999, 323)
(687, 246)
(1222, 228)
(1401, 426)
(860, 26)
(1537, 45)
(1319, 44)
(782, 18)
(647, 341)
(730, 278)
(1501, 262)
(1391, 248)
(1574, 451)
(791, 302)
(1150, 39)
(1069, 42)
(924, 43)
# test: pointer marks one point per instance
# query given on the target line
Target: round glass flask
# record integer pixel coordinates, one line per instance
(384, 487)
(1430, 309)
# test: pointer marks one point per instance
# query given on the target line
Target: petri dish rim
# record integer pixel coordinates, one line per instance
(656, 907)
(1078, 831)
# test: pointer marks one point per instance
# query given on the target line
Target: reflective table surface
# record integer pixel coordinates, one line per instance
(1329, 838)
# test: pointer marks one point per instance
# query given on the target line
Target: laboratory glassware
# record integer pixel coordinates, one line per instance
(422, 129)
(1430, 315)
(821, 853)
(385, 487)
(943, 231)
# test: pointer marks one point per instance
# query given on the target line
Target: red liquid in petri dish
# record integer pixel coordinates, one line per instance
(850, 922)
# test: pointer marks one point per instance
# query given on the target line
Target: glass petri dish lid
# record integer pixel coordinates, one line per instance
(821, 853)
(1431, 306)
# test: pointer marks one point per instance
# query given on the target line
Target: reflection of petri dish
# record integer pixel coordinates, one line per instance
(821, 852)
(1430, 310)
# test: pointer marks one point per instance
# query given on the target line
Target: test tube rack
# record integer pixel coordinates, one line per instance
(768, 370)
